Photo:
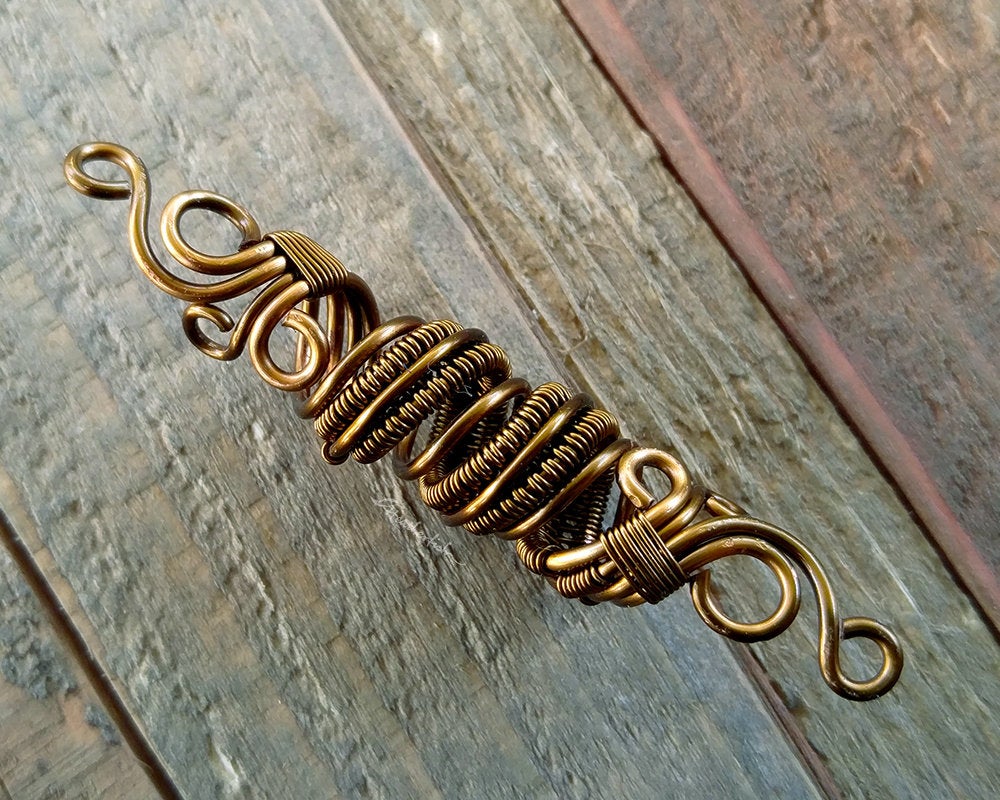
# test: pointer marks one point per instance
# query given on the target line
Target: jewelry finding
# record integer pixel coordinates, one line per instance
(535, 465)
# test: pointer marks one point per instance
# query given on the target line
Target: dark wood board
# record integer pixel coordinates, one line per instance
(848, 155)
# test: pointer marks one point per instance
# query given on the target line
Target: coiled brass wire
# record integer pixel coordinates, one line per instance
(488, 451)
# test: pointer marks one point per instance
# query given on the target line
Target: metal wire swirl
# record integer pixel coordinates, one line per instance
(488, 451)
(288, 267)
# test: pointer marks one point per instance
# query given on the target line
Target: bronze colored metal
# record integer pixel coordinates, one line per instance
(536, 465)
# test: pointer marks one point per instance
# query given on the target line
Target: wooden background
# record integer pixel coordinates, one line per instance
(195, 605)
(847, 155)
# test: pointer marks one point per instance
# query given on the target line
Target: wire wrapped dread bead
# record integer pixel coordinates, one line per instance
(535, 465)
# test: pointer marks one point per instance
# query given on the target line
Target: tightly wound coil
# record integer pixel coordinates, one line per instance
(488, 452)
(512, 452)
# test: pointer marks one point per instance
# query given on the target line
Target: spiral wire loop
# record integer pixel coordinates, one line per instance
(535, 465)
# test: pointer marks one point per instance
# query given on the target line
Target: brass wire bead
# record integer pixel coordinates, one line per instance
(535, 465)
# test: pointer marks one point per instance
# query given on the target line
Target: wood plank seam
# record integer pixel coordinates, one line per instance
(810, 758)
(666, 121)
(72, 638)
(249, 629)
(783, 714)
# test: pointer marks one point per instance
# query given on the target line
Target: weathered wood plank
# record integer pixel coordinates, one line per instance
(55, 737)
(649, 315)
(276, 630)
(861, 141)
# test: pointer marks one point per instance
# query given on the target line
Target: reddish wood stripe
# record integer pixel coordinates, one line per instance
(636, 72)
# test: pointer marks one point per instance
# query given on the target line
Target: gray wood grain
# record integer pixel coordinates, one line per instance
(55, 738)
(658, 323)
(275, 630)
(282, 628)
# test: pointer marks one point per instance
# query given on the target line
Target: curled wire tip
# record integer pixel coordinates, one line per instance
(86, 184)
(534, 465)
(784, 555)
